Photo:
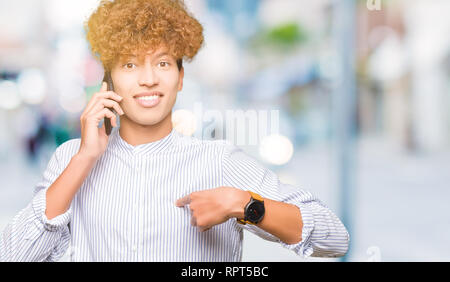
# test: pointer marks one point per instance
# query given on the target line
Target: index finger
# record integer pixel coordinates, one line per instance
(183, 201)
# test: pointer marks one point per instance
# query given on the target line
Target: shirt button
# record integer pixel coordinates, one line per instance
(134, 248)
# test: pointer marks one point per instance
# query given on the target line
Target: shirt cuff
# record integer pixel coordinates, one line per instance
(39, 206)
(304, 247)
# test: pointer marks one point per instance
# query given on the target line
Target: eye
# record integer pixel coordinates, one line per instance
(164, 64)
(128, 65)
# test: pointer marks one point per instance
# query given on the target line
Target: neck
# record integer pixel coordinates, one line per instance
(136, 134)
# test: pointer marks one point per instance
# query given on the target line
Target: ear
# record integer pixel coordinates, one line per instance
(180, 81)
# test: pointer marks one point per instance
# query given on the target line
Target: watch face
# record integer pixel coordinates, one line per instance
(255, 211)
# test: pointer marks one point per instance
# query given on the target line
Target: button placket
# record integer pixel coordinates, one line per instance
(153, 206)
(136, 237)
(138, 207)
(141, 206)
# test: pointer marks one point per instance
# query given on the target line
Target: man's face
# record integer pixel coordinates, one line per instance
(157, 72)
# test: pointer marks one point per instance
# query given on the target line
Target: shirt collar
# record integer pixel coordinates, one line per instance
(146, 149)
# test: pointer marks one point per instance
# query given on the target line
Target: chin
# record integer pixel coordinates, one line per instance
(149, 121)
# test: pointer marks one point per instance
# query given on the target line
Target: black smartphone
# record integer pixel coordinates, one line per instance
(107, 121)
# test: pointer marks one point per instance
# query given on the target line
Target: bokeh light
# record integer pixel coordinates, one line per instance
(9, 95)
(32, 86)
(184, 121)
(276, 149)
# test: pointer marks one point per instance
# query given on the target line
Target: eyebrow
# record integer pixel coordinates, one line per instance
(158, 55)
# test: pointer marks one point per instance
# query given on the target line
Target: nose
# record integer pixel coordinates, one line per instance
(148, 76)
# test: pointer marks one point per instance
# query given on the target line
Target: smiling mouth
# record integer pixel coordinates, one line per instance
(148, 101)
(148, 94)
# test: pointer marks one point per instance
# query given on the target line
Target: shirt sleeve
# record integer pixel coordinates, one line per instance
(323, 234)
(31, 236)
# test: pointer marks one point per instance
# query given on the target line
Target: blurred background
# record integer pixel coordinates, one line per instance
(361, 88)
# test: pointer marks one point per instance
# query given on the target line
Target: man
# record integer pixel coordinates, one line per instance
(146, 192)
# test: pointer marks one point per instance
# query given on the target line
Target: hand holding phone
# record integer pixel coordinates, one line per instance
(102, 105)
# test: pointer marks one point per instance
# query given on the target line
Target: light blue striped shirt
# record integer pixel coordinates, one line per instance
(125, 209)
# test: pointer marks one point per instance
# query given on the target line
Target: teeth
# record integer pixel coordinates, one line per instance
(154, 97)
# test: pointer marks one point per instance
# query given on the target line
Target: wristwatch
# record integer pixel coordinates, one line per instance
(254, 210)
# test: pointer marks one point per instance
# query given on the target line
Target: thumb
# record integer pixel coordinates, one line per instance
(104, 86)
(183, 201)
